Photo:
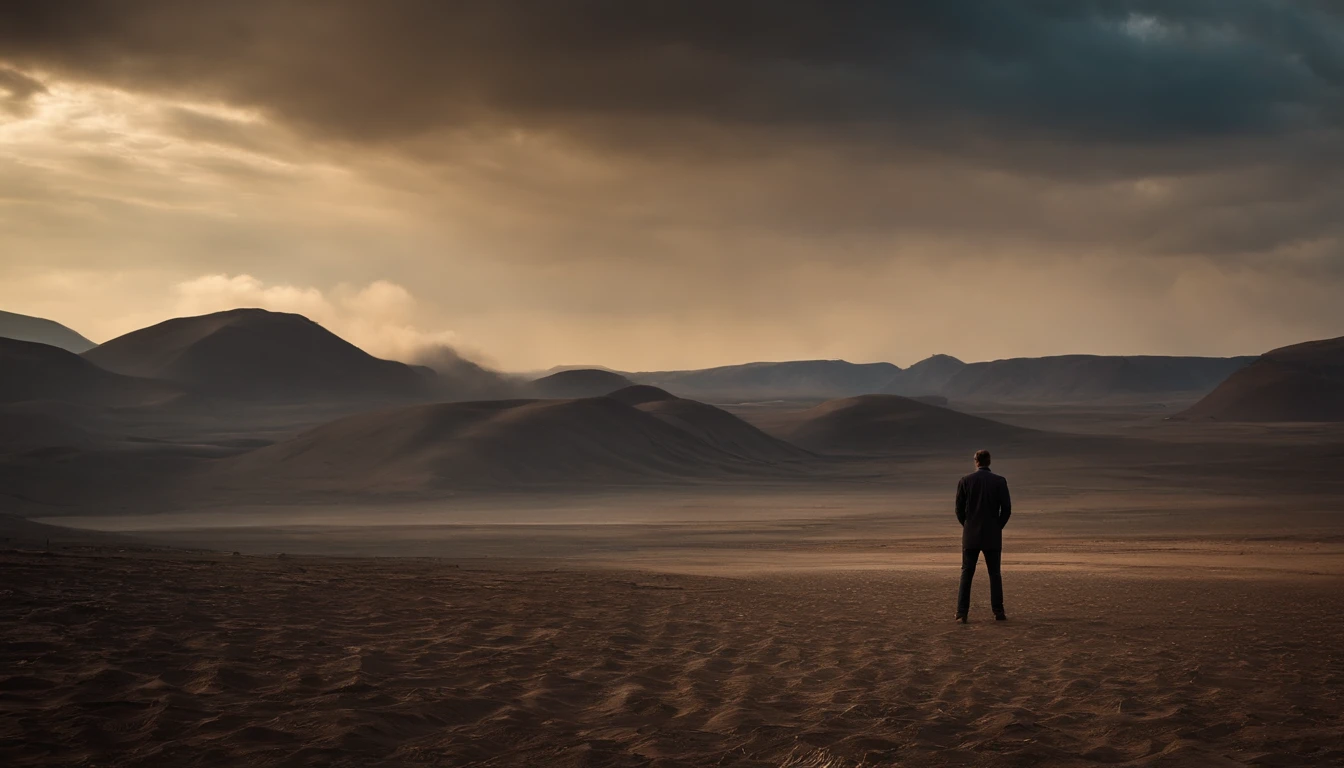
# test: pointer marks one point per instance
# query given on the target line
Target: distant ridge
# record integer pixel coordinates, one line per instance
(781, 380)
(256, 354)
(42, 331)
(886, 424)
(1057, 379)
(927, 377)
(1066, 378)
(1302, 382)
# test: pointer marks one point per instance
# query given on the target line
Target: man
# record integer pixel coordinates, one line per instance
(983, 508)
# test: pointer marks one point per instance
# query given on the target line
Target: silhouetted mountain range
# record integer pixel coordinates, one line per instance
(86, 428)
(1058, 379)
(253, 354)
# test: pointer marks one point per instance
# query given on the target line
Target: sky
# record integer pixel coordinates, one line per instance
(660, 184)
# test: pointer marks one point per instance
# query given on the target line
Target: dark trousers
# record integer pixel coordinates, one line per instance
(969, 557)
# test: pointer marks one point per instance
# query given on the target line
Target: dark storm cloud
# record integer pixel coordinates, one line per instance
(1105, 70)
(637, 182)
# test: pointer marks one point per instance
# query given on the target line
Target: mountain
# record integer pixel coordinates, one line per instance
(579, 382)
(254, 354)
(42, 331)
(34, 371)
(498, 444)
(927, 377)
(886, 424)
(1074, 378)
(714, 426)
(757, 381)
(1302, 382)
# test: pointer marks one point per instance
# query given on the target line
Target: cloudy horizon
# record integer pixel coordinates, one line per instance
(682, 185)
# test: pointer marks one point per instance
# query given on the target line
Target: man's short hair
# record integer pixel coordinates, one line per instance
(981, 458)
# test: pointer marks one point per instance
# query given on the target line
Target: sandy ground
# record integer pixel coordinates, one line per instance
(144, 658)
(1176, 595)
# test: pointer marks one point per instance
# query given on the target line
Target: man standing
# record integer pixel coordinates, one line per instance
(983, 507)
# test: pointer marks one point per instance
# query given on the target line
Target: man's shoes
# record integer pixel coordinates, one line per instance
(1000, 616)
(961, 617)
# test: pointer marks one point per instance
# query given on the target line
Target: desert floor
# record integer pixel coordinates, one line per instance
(1160, 651)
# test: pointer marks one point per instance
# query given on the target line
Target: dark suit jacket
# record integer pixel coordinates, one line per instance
(983, 507)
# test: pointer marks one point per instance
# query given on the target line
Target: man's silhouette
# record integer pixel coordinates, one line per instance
(983, 507)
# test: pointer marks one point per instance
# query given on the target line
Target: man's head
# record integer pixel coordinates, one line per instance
(982, 458)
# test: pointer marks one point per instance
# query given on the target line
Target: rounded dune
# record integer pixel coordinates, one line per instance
(885, 423)
(722, 429)
(487, 445)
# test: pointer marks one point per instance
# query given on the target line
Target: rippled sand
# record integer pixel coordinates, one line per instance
(183, 660)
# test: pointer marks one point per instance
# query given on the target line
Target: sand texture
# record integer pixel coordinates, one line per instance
(187, 660)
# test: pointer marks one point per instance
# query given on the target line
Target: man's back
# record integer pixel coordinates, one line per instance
(983, 507)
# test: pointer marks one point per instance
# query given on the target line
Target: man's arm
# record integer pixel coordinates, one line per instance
(961, 502)
(1005, 506)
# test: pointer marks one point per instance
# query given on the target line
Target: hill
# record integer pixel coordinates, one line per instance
(714, 426)
(886, 424)
(782, 380)
(1086, 378)
(499, 444)
(35, 371)
(1302, 382)
(579, 382)
(42, 331)
(254, 354)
